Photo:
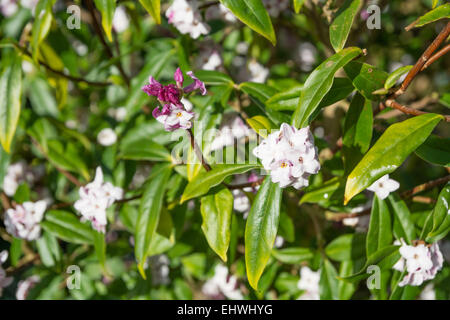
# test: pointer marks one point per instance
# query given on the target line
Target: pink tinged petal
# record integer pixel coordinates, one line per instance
(197, 84)
(178, 77)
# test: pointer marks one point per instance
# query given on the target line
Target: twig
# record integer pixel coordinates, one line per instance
(197, 150)
(414, 112)
(5, 201)
(422, 103)
(436, 56)
(425, 186)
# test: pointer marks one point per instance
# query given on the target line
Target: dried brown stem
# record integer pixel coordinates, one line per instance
(406, 110)
(425, 186)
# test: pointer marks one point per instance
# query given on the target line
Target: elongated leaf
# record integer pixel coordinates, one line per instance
(100, 248)
(403, 225)
(106, 8)
(435, 150)
(298, 5)
(328, 284)
(366, 78)
(293, 255)
(438, 13)
(261, 125)
(379, 235)
(261, 230)
(144, 150)
(259, 90)
(253, 14)
(346, 288)
(206, 180)
(41, 26)
(342, 23)
(330, 190)
(149, 213)
(49, 250)
(389, 152)
(154, 8)
(213, 78)
(357, 131)
(395, 76)
(10, 95)
(440, 216)
(67, 226)
(285, 100)
(346, 247)
(216, 210)
(319, 83)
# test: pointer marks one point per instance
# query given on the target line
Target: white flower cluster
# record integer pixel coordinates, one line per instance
(107, 137)
(275, 7)
(258, 73)
(309, 283)
(421, 262)
(219, 12)
(23, 221)
(16, 174)
(24, 287)
(222, 283)
(384, 186)
(185, 16)
(4, 280)
(95, 198)
(209, 59)
(290, 156)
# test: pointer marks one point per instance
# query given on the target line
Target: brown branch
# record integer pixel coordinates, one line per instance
(342, 216)
(425, 186)
(422, 103)
(108, 51)
(406, 110)
(197, 150)
(436, 56)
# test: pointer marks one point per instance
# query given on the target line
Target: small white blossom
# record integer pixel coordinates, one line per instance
(242, 48)
(258, 73)
(8, 7)
(241, 202)
(306, 56)
(186, 17)
(222, 283)
(309, 282)
(24, 287)
(4, 280)
(119, 114)
(290, 156)
(383, 186)
(120, 22)
(421, 263)
(107, 137)
(428, 293)
(95, 198)
(209, 60)
(23, 221)
(219, 12)
(15, 175)
(279, 242)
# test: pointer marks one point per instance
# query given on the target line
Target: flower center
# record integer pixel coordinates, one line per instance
(283, 165)
(179, 114)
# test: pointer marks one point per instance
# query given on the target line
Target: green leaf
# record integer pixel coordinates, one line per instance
(394, 76)
(49, 250)
(100, 248)
(261, 229)
(285, 100)
(144, 150)
(261, 125)
(440, 216)
(366, 78)
(106, 8)
(254, 15)
(298, 5)
(213, 78)
(346, 247)
(403, 225)
(260, 91)
(346, 288)
(435, 150)
(10, 96)
(323, 194)
(379, 235)
(328, 284)
(438, 13)
(389, 152)
(357, 131)
(41, 25)
(319, 83)
(204, 181)
(216, 210)
(154, 8)
(342, 23)
(149, 213)
(293, 255)
(67, 226)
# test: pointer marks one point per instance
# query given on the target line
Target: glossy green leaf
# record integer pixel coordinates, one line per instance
(216, 210)
(438, 13)
(10, 96)
(379, 235)
(357, 131)
(144, 150)
(293, 255)
(342, 23)
(100, 248)
(49, 250)
(259, 90)
(389, 152)
(285, 100)
(435, 150)
(213, 78)
(254, 15)
(395, 76)
(346, 288)
(106, 8)
(261, 229)
(206, 180)
(41, 26)
(328, 284)
(149, 213)
(347, 247)
(319, 83)
(323, 194)
(403, 224)
(261, 125)
(154, 8)
(67, 226)
(440, 216)
(366, 78)
(298, 5)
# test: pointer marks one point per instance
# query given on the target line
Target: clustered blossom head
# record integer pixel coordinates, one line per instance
(23, 221)
(290, 156)
(309, 283)
(421, 262)
(95, 198)
(4, 280)
(186, 17)
(174, 114)
(384, 186)
(222, 284)
(18, 173)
